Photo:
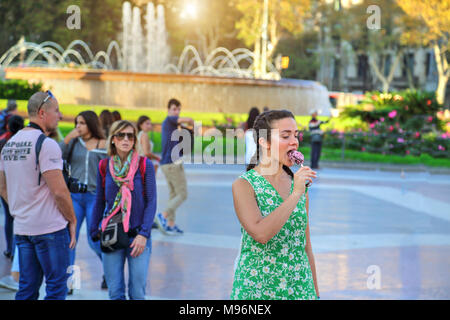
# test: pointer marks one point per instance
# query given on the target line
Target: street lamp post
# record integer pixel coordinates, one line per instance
(264, 39)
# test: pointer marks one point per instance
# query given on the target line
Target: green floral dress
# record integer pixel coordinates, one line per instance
(280, 268)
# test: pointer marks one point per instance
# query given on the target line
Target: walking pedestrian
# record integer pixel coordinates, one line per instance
(172, 167)
(144, 144)
(125, 204)
(316, 138)
(32, 183)
(83, 148)
(15, 123)
(275, 259)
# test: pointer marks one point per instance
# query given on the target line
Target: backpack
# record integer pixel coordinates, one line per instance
(38, 148)
(3, 121)
(103, 164)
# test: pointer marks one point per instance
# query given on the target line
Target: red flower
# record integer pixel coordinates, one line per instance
(428, 102)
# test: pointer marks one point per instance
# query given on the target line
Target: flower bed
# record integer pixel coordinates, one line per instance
(402, 123)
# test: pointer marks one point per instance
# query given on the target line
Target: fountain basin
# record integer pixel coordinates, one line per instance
(196, 93)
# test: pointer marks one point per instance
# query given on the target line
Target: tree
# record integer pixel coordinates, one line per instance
(284, 17)
(303, 61)
(46, 20)
(433, 30)
(382, 43)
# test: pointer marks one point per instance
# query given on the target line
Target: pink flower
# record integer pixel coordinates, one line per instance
(391, 128)
(400, 140)
(363, 149)
(407, 152)
(372, 125)
(430, 119)
(417, 135)
(392, 114)
(441, 148)
(382, 119)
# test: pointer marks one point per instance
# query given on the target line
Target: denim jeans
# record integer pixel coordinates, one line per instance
(83, 204)
(45, 255)
(114, 269)
(316, 148)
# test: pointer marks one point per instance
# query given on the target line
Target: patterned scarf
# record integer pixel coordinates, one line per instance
(123, 176)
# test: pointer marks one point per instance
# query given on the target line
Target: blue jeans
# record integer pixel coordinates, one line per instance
(83, 204)
(42, 256)
(114, 268)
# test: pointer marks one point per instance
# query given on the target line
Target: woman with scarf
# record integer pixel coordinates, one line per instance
(125, 190)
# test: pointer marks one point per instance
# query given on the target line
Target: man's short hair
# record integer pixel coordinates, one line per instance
(173, 102)
(34, 102)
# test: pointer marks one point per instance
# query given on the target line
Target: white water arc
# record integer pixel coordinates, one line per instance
(140, 51)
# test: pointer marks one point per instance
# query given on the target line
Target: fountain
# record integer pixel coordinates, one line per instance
(146, 54)
(150, 52)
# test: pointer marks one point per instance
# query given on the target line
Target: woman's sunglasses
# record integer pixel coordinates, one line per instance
(121, 135)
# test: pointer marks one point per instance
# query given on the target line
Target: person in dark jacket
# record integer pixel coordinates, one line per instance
(123, 193)
(316, 138)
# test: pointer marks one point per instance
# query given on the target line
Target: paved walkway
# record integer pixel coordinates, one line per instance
(375, 235)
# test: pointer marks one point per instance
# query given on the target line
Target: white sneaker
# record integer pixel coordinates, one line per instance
(8, 282)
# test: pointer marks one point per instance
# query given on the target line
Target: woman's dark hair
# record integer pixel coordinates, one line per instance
(253, 113)
(106, 120)
(116, 115)
(92, 122)
(140, 121)
(264, 122)
(15, 123)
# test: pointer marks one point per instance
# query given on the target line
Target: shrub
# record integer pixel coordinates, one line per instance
(18, 89)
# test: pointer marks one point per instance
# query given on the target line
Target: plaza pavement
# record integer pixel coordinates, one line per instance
(375, 235)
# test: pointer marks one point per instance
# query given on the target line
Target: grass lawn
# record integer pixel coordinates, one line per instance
(328, 154)
(158, 116)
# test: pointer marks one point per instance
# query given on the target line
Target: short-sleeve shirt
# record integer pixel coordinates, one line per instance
(32, 206)
(169, 125)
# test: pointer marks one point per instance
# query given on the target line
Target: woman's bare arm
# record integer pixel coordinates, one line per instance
(309, 251)
(260, 228)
